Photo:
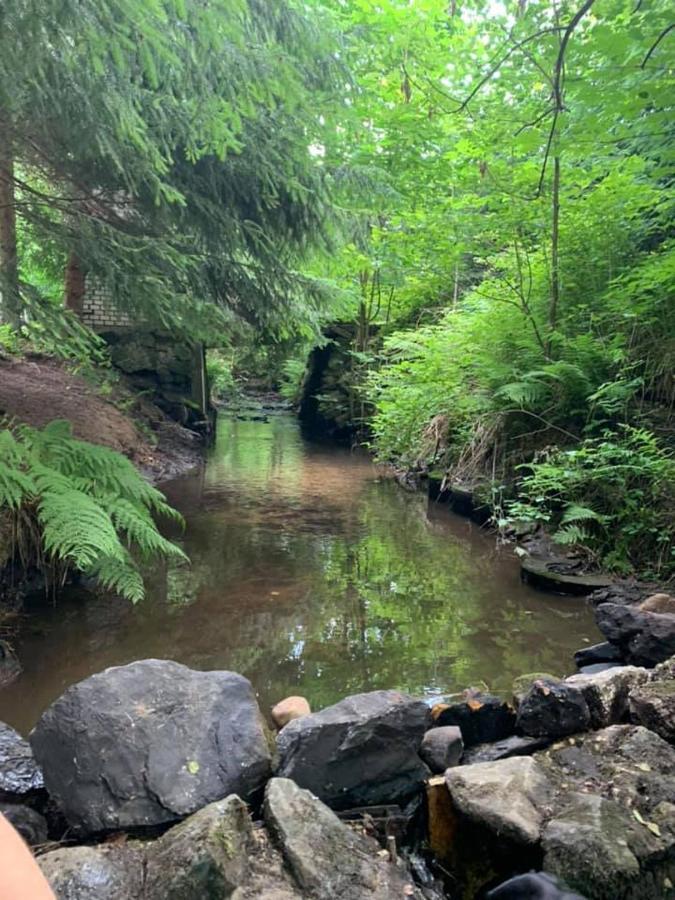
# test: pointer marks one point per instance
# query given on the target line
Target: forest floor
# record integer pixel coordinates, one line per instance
(37, 389)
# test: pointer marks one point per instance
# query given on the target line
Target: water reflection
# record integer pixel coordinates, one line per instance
(310, 574)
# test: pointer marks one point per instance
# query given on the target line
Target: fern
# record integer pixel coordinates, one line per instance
(571, 534)
(90, 504)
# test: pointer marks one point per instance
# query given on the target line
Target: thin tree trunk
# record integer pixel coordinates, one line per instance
(74, 284)
(9, 263)
(555, 257)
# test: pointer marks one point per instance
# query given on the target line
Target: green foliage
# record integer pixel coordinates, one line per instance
(292, 374)
(165, 146)
(615, 495)
(80, 506)
(220, 375)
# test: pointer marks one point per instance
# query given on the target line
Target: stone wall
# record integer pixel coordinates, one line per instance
(170, 371)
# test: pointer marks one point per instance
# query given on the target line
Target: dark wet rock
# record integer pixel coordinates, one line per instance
(442, 748)
(597, 810)
(560, 576)
(27, 821)
(361, 751)
(606, 692)
(481, 717)
(511, 746)
(532, 886)
(638, 621)
(10, 667)
(20, 775)
(329, 860)
(653, 705)
(598, 667)
(644, 638)
(94, 873)
(597, 653)
(149, 743)
(522, 684)
(203, 858)
(553, 709)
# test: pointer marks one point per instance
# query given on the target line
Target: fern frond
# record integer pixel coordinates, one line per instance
(119, 575)
(137, 523)
(575, 513)
(571, 534)
(86, 499)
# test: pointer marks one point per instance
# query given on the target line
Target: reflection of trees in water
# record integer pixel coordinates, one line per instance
(320, 589)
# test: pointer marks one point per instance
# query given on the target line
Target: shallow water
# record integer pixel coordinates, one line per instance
(311, 574)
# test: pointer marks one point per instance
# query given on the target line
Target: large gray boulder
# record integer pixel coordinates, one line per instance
(362, 751)
(150, 743)
(20, 776)
(327, 859)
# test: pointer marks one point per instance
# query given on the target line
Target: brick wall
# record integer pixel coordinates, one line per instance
(98, 311)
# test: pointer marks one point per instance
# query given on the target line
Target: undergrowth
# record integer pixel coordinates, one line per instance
(79, 506)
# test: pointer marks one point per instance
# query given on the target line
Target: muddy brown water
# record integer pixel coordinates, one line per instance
(311, 574)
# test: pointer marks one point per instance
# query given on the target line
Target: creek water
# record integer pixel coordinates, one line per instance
(311, 574)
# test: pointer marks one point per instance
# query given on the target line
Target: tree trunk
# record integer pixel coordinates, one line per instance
(74, 284)
(9, 263)
(555, 254)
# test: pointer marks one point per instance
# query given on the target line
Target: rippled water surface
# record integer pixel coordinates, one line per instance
(310, 574)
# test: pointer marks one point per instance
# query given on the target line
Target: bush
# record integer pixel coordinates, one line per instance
(613, 496)
(221, 378)
(79, 506)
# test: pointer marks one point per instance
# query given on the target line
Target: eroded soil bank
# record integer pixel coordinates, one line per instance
(37, 389)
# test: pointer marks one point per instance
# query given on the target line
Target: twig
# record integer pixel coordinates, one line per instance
(656, 43)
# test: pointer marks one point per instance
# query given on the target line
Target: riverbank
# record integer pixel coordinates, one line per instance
(36, 389)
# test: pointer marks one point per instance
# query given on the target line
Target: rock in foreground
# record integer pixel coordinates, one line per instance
(596, 810)
(217, 853)
(149, 743)
(20, 775)
(362, 751)
(328, 860)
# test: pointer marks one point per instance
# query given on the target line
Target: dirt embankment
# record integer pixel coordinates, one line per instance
(38, 389)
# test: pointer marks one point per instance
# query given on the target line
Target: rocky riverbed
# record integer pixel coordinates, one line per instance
(154, 780)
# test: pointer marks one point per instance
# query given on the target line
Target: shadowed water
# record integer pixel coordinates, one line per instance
(310, 574)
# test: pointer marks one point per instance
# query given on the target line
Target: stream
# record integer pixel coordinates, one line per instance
(311, 574)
